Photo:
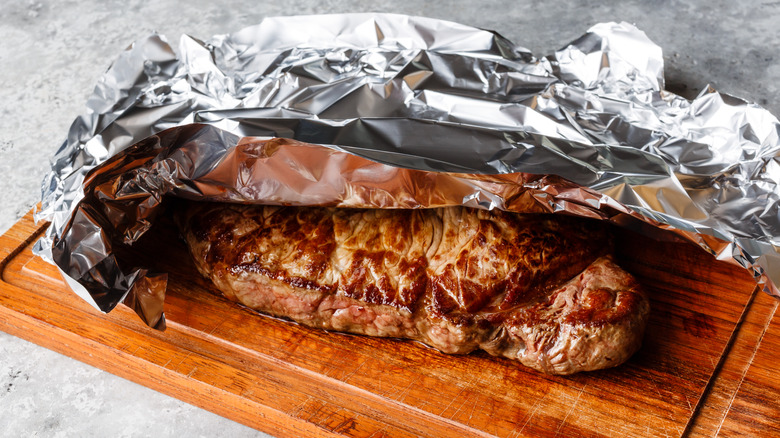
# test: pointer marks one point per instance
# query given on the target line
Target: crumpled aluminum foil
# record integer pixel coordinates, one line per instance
(391, 111)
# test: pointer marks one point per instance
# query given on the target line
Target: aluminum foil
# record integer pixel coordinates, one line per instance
(392, 111)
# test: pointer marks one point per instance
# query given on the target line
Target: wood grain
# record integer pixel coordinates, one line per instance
(754, 409)
(738, 359)
(290, 380)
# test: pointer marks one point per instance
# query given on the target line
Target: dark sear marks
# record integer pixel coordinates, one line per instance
(541, 289)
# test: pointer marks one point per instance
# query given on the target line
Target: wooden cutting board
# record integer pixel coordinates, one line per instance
(706, 367)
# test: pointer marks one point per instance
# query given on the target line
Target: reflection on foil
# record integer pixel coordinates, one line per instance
(447, 114)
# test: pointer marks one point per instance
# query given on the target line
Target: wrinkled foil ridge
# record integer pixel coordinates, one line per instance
(392, 111)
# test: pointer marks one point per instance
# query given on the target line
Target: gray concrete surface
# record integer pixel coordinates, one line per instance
(52, 53)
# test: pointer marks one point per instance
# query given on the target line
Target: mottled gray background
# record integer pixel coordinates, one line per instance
(53, 52)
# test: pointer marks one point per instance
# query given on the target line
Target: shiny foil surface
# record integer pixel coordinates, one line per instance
(392, 111)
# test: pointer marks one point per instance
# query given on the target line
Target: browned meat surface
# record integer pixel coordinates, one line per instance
(541, 289)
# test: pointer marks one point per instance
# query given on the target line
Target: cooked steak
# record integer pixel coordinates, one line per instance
(541, 289)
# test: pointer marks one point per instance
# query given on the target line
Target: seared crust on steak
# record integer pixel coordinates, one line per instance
(541, 289)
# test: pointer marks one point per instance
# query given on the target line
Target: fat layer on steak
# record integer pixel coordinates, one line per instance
(541, 289)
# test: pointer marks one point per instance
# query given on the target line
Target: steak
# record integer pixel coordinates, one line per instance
(541, 289)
